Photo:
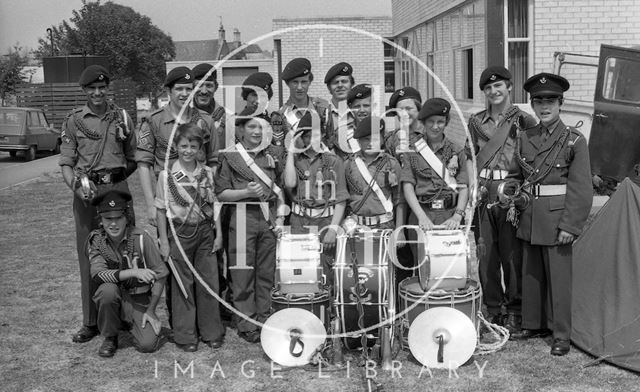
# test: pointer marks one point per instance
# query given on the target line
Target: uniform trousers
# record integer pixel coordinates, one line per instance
(252, 263)
(498, 248)
(546, 288)
(199, 314)
(86, 220)
(116, 308)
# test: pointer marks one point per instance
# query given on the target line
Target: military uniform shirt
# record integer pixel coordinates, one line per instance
(325, 167)
(79, 150)
(388, 178)
(187, 185)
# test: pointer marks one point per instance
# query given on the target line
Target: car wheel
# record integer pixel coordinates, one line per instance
(13, 154)
(30, 154)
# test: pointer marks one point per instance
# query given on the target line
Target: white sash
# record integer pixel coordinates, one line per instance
(423, 148)
(261, 174)
(292, 119)
(364, 171)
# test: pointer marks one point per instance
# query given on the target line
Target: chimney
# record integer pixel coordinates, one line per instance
(221, 38)
(236, 35)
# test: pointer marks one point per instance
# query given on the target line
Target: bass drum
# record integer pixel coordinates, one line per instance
(316, 303)
(375, 278)
(414, 300)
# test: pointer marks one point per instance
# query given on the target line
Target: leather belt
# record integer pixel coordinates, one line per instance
(107, 176)
(443, 203)
(548, 190)
(493, 174)
(139, 290)
(312, 212)
(373, 220)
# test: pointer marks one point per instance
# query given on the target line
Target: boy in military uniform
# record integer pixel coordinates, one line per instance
(130, 274)
(434, 175)
(248, 181)
(359, 102)
(189, 205)
(260, 82)
(406, 104)
(493, 132)
(553, 162)
(97, 153)
(340, 120)
(314, 179)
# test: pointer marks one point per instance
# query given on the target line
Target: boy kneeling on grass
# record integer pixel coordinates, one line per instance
(127, 265)
(185, 195)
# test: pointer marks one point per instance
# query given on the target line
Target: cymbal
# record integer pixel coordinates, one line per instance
(442, 338)
(291, 336)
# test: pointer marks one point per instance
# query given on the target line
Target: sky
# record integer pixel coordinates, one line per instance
(24, 21)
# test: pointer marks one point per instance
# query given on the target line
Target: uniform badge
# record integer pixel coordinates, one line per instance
(358, 95)
(187, 76)
(345, 69)
(543, 80)
(493, 77)
(444, 110)
(401, 93)
(112, 203)
(101, 77)
(306, 71)
(64, 137)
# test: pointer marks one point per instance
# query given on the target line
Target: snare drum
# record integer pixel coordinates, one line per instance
(466, 300)
(374, 275)
(298, 266)
(446, 266)
(316, 303)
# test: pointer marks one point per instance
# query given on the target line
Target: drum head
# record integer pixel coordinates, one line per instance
(290, 336)
(442, 328)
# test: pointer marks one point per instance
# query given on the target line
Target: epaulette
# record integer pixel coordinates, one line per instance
(72, 112)
(321, 102)
(94, 233)
(480, 113)
(156, 112)
(136, 231)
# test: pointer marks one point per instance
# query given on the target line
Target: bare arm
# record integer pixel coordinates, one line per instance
(145, 173)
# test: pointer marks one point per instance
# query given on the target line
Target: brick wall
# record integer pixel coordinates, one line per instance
(580, 26)
(326, 47)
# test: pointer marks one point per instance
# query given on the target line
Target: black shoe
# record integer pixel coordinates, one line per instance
(108, 347)
(215, 344)
(85, 334)
(513, 323)
(560, 347)
(525, 334)
(189, 347)
(497, 319)
(250, 336)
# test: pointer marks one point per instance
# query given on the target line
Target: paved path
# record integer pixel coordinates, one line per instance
(15, 171)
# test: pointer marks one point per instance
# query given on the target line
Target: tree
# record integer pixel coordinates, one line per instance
(11, 71)
(136, 49)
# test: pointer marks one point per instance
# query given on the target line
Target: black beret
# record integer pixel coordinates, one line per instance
(201, 69)
(546, 85)
(433, 107)
(340, 69)
(404, 93)
(260, 80)
(364, 127)
(305, 123)
(493, 74)
(296, 67)
(359, 91)
(94, 73)
(179, 75)
(112, 200)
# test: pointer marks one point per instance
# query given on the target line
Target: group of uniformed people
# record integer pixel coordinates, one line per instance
(227, 190)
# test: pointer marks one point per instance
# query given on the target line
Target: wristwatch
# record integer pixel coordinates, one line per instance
(460, 212)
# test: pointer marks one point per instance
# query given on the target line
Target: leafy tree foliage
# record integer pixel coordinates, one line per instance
(136, 48)
(11, 71)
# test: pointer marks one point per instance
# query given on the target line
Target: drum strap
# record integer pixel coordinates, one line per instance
(364, 172)
(423, 148)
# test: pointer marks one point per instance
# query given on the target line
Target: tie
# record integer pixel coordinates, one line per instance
(545, 134)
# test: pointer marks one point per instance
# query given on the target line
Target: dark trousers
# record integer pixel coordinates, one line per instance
(198, 315)
(116, 308)
(86, 220)
(546, 288)
(499, 249)
(252, 264)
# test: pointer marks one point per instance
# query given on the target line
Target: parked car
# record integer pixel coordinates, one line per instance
(27, 129)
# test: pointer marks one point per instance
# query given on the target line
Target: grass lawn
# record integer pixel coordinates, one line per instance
(40, 310)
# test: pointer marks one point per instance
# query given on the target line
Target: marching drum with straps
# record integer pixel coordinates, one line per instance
(446, 266)
(375, 274)
(316, 303)
(298, 266)
(468, 300)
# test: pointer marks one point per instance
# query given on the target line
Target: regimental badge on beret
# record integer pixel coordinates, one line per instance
(306, 71)
(359, 95)
(543, 80)
(401, 93)
(493, 77)
(112, 203)
(187, 76)
(345, 69)
(101, 77)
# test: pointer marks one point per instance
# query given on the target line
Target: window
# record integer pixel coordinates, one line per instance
(34, 121)
(43, 120)
(467, 73)
(618, 85)
(518, 48)
(389, 69)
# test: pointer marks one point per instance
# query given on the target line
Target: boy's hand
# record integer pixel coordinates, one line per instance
(151, 211)
(150, 317)
(255, 189)
(425, 223)
(165, 249)
(453, 222)
(217, 244)
(145, 275)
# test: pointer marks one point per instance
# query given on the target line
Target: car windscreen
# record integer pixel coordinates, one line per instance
(11, 121)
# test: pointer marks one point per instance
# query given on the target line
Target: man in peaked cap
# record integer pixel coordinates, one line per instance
(553, 162)
(493, 135)
(129, 284)
(96, 154)
(340, 120)
(298, 77)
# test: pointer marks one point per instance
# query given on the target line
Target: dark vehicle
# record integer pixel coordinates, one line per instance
(27, 129)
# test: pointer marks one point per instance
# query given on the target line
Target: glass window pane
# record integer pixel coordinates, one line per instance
(620, 78)
(518, 20)
(518, 60)
(388, 50)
